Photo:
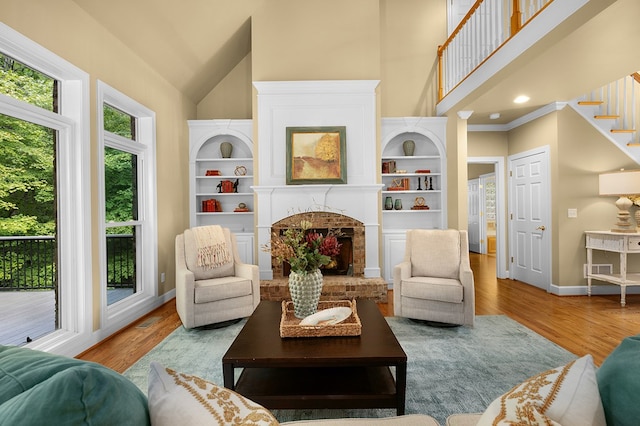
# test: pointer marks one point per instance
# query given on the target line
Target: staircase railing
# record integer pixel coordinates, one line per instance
(484, 29)
(618, 102)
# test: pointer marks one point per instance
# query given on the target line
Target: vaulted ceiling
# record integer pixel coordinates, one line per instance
(193, 44)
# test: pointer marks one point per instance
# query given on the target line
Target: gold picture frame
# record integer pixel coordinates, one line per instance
(316, 155)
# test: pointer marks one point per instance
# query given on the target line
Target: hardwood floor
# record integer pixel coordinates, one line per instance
(580, 324)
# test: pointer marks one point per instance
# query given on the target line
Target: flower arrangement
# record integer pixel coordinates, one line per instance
(304, 249)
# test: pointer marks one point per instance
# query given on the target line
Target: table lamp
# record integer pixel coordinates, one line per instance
(622, 184)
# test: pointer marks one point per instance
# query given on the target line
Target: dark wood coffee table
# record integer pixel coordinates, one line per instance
(317, 372)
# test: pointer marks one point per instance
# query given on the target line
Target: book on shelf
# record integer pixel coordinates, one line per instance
(389, 166)
(211, 206)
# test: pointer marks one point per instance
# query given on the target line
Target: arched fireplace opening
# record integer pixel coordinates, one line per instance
(350, 261)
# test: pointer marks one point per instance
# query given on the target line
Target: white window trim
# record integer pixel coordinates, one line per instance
(122, 313)
(74, 179)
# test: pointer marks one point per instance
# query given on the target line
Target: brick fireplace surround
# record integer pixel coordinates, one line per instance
(338, 287)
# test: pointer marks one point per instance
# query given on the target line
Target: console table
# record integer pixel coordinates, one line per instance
(622, 243)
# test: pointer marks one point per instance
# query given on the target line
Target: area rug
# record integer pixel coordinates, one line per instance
(450, 370)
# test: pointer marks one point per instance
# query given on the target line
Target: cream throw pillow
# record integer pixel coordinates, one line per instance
(566, 396)
(180, 399)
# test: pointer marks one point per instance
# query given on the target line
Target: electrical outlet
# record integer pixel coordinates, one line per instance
(572, 213)
(162, 277)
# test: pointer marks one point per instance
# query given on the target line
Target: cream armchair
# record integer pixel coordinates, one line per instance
(213, 295)
(435, 282)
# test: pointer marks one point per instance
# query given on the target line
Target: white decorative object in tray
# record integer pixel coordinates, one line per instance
(329, 316)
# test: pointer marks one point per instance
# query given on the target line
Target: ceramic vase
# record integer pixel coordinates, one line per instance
(226, 149)
(305, 289)
(398, 205)
(388, 203)
(408, 147)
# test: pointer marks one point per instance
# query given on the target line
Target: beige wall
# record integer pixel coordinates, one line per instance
(488, 144)
(578, 152)
(474, 171)
(583, 153)
(311, 40)
(88, 46)
(392, 41)
(411, 32)
(232, 97)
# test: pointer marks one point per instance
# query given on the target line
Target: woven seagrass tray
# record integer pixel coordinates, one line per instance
(290, 325)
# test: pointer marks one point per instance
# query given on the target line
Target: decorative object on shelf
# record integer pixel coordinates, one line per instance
(423, 171)
(228, 186)
(388, 203)
(397, 185)
(316, 155)
(408, 147)
(242, 207)
(212, 173)
(226, 148)
(419, 204)
(389, 166)
(419, 187)
(306, 251)
(211, 206)
(240, 171)
(430, 188)
(623, 184)
(398, 204)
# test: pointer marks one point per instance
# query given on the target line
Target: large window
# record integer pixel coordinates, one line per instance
(127, 184)
(44, 193)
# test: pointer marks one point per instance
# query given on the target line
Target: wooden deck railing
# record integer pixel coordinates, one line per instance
(29, 263)
(484, 29)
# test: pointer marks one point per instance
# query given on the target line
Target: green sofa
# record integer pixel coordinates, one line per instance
(40, 388)
(37, 388)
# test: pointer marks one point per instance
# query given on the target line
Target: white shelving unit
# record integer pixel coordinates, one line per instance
(205, 138)
(428, 133)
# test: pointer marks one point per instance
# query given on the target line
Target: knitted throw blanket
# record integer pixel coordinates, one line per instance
(211, 246)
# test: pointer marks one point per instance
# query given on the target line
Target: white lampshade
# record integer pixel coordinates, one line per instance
(624, 182)
(621, 184)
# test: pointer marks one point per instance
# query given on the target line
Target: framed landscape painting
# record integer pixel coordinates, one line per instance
(316, 155)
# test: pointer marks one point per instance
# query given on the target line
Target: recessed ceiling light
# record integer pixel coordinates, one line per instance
(494, 116)
(521, 99)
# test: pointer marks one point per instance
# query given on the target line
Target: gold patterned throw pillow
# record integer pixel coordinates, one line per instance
(177, 398)
(566, 396)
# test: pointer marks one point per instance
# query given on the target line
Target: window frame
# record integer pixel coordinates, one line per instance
(75, 333)
(115, 316)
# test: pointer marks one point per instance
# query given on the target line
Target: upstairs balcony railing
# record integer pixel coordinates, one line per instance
(487, 26)
(29, 263)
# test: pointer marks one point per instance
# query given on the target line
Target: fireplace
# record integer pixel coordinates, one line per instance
(354, 205)
(351, 260)
(340, 284)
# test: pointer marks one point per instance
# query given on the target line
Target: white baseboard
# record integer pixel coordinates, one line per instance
(596, 290)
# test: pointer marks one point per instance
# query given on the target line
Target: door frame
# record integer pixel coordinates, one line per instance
(501, 240)
(545, 151)
(470, 225)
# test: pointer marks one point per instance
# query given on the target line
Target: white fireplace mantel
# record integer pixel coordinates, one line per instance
(352, 104)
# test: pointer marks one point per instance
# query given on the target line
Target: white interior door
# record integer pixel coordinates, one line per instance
(530, 215)
(473, 202)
